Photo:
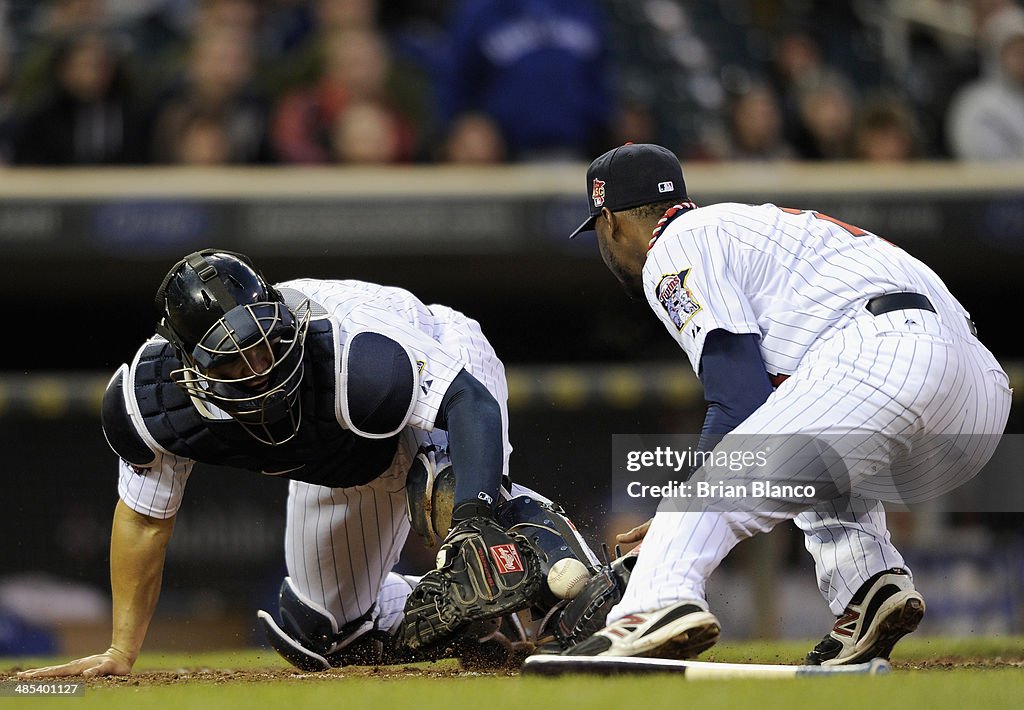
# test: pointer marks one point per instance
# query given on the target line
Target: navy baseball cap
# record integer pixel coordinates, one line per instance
(629, 176)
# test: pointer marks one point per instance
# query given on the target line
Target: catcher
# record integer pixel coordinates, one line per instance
(383, 412)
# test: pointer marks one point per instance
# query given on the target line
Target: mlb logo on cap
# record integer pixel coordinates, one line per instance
(629, 176)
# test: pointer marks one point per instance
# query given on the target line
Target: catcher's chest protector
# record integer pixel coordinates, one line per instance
(323, 452)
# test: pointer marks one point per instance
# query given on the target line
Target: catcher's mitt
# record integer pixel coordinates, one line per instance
(586, 613)
(482, 572)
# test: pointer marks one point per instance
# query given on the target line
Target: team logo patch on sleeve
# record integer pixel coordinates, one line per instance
(506, 558)
(677, 299)
(425, 384)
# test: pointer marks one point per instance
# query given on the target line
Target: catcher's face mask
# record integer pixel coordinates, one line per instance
(249, 364)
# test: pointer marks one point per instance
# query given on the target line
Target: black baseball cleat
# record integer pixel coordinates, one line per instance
(885, 609)
(680, 631)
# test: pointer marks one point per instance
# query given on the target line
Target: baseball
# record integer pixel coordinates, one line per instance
(567, 578)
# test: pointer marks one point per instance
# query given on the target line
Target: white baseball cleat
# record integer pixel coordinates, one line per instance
(680, 631)
(885, 609)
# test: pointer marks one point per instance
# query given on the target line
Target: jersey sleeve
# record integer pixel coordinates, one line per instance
(689, 283)
(434, 366)
(155, 490)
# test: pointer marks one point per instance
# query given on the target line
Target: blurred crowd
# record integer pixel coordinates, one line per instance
(206, 82)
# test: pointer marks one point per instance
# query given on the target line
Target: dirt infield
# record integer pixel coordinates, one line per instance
(443, 670)
(961, 663)
(220, 676)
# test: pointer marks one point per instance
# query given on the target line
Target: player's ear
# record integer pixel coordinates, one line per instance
(610, 219)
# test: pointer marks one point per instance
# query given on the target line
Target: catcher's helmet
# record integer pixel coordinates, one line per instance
(240, 345)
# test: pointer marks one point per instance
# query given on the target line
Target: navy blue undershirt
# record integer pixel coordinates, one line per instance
(471, 416)
(735, 382)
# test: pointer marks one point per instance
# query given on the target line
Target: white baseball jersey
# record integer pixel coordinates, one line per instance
(341, 543)
(792, 277)
(909, 400)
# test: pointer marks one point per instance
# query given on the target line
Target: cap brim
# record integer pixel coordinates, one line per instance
(587, 226)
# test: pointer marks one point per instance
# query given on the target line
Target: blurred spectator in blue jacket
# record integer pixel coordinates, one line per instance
(986, 118)
(538, 69)
(88, 115)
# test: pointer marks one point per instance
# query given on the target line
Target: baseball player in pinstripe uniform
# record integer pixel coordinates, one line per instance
(801, 328)
(351, 391)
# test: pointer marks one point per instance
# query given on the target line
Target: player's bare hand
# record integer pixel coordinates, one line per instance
(634, 535)
(110, 662)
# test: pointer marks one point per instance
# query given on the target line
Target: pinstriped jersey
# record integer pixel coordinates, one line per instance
(792, 277)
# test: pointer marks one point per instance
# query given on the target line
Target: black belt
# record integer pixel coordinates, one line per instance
(897, 302)
(884, 304)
